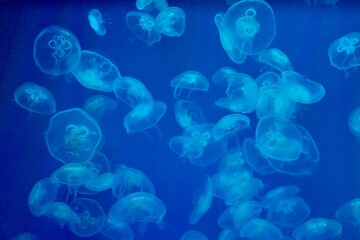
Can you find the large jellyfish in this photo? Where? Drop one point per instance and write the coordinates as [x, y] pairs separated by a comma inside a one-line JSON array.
[[56, 50], [318, 228], [35, 98], [191, 80], [97, 22], [171, 22], [96, 72], [73, 136], [143, 27]]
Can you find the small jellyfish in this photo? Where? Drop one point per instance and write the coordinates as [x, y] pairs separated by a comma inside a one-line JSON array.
[[191, 80], [318, 228], [276, 59], [171, 22], [349, 212], [96, 72], [143, 27], [92, 217], [188, 114], [150, 5], [233, 160], [35, 98], [202, 202], [229, 125], [278, 194], [73, 136], [222, 75], [56, 51], [98, 105], [246, 211], [97, 22], [186, 147], [117, 230], [193, 235], [354, 122], [62, 213], [260, 229]]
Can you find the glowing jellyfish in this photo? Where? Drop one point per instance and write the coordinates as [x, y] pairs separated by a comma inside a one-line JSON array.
[[245, 211], [171, 22], [56, 50], [143, 27], [202, 203], [25, 236], [97, 22], [318, 228], [191, 80], [186, 147], [73, 136], [98, 105], [117, 230], [277, 194], [96, 72], [344, 53], [354, 122], [92, 217], [42, 193], [188, 114], [132, 91], [300, 89], [128, 180], [233, 160], [150, 5], [349, 212], [35, 98], [278, 138], [144, 116], [250, 26], [276, 59], [229, 125], [222, 75], [193, 235], [62, 213], [139, 207], [260, 229]]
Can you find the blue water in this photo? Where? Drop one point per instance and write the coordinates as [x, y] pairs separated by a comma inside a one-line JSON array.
[[304, 33]]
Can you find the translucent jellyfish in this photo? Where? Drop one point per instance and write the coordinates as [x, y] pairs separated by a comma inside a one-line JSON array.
[[246, 211], [62, 213], [233, 160], [301, 89], [96, 72], [56, 50], [288, 212], [260, 229], [188, 113], [35, 98], [139, 207], [222, 75], [25, 236], [171, 22], [229, 125], [128, 180], [318, 228], [149, 5], [92, 217], [278, 138], [73, 136], [354, 122], [344, 53], [276, 59], [99, 183], [250, 26], [277, 194], [98, 105], [186, 147], [117, 230], [97, 22], [42, 193], [144, 116], [193, 235], [191, 80], [132, 91], [143, 27], [349, 212], [202, 202]]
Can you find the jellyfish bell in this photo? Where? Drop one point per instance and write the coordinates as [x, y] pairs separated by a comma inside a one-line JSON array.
[[318, 228], [62, 213], [187, 113], [171, 22], [191, 80], [143, 27], [97, 22]]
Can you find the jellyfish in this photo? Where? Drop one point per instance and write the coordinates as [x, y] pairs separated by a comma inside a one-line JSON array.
[[62, 213], [229, 125], [42, 193], [138, 207], [96, 72], [171, 22], [249, 26], [99, 183], [149, 5], [202, 202], [98, 105], [186, 147], [233, 160], [73, 136], [144, 116], [276, 59], [245, 211], [191, 80], [318, 228], [354, 122], [188, 114], [222, 75], [344, 52], [56, 51], [25, 236], [35, 98], [260, 229], [97, 22], [92, 217], [277, 194], [143, 27], [349, 212], [117, 230], [193, 235]]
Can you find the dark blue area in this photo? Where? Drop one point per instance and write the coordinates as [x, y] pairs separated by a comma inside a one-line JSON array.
[[304, 33]]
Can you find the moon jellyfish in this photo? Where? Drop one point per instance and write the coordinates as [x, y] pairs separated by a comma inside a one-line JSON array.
[[229, 125], [25, 236], [354, 122], [97, 22], [62, 213], [349, 212], [98, 105], [250, 26], [276, 59], [186, 147], [143, 27], [245, 211], [222, 75], [260, 229], [117, 230], [92, 217], [193, 235], [139, 207], [171, 22], [278, 138], [202, 203], [300, 89], [96, 72], [344, 53], [188, 113], [73, 136], [191, 80], [56, 50], [42, 193], [277, 194], [35, 98], [144, 116], [317, 228], [149, 5], [233, 160]]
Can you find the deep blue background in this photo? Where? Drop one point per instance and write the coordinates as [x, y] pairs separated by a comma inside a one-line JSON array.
[[304, 33]]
